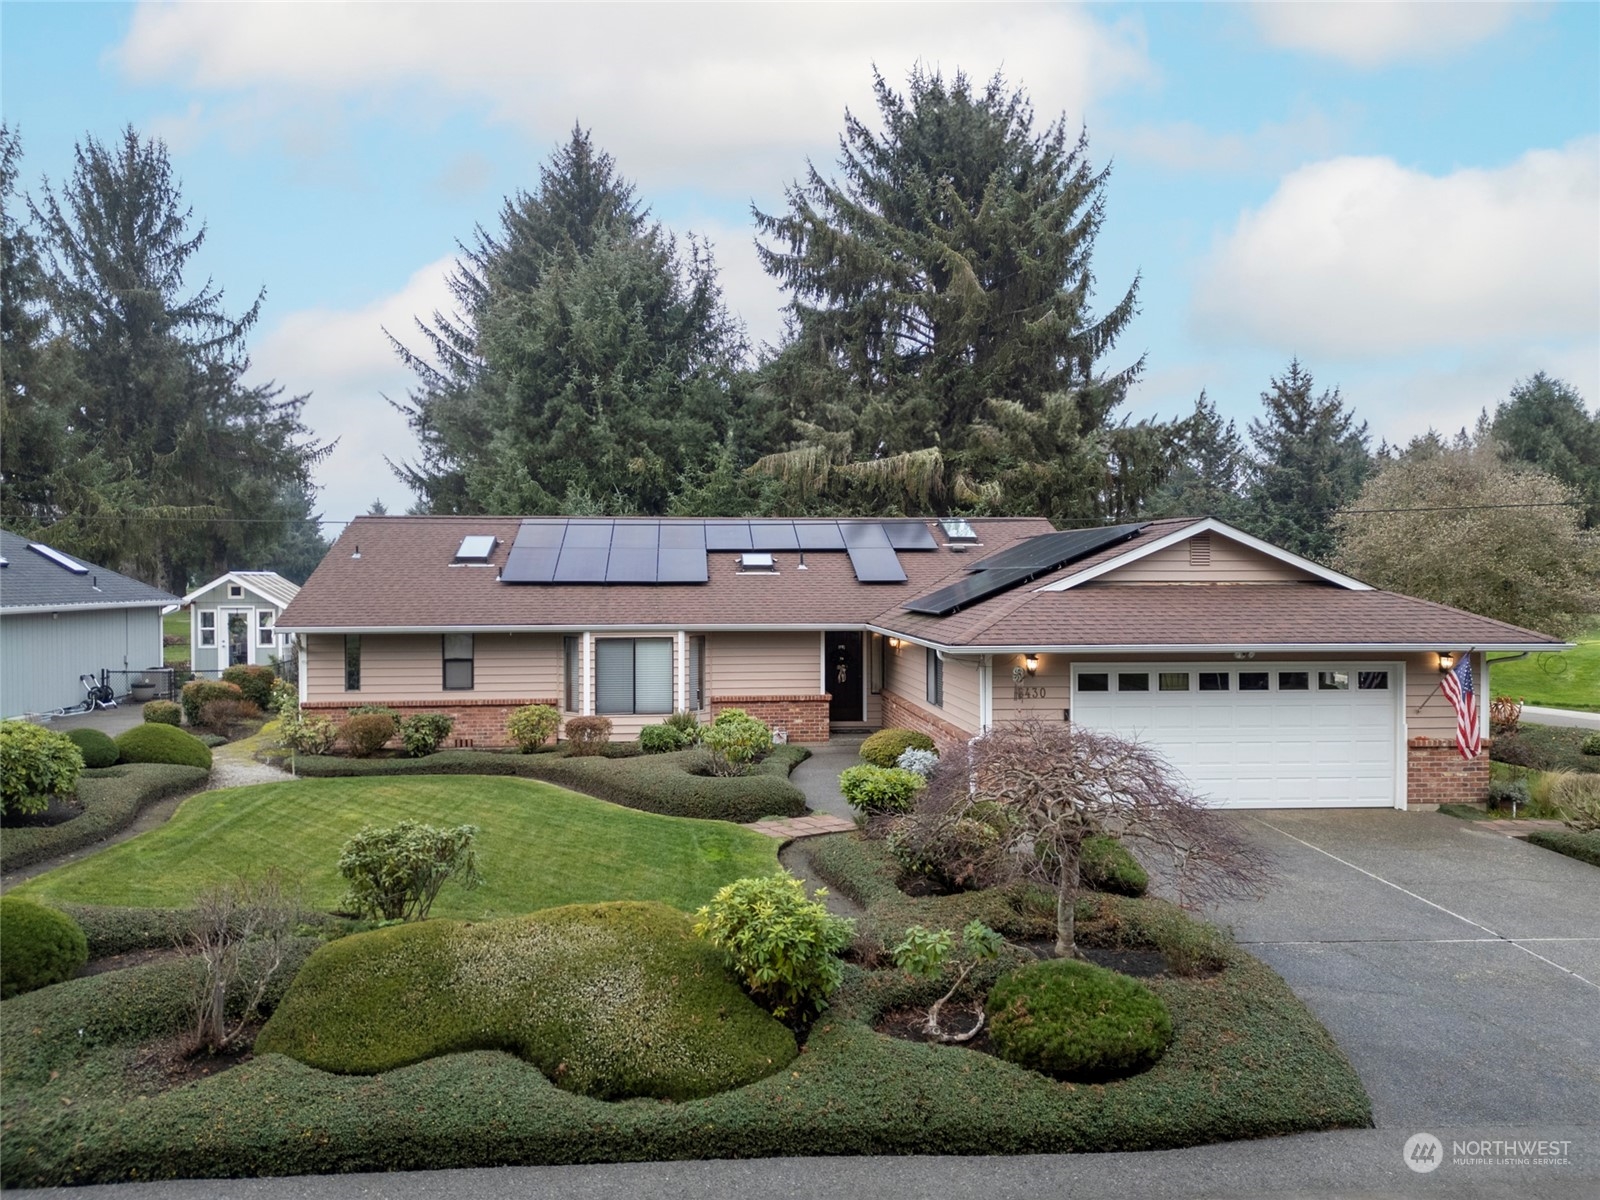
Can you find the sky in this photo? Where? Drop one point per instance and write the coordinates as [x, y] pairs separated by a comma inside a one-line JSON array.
[[1406, 197]]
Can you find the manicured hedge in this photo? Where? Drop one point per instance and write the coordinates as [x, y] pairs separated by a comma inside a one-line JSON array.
[[97, 748], [111, 800], [1106, 865], [658, 783], [1582, 846], [153, 743], [1074, 1020], [41, 946], [884, 748]]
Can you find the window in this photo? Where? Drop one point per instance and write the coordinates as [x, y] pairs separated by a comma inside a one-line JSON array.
[[1294, 681], [1255, 681], [1213, 681], [352, 662], [264, 628], [697, 673], [1128, 682], [572, 657], [1098, 681], [208, 629], [875, 653], [235, 591], [1372, 681], [458, 662], [1173, 681], [1333, 681], [633, 675], [935, 678]]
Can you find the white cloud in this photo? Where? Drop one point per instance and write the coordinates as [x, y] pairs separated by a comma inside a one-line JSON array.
[[1360, 257], [343, 359], [728, 96], [1186, 147], [1376, 32]]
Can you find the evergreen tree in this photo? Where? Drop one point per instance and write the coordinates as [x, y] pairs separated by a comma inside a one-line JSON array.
[[1309, 458], [1209, 478], [942, 349], [178, 448], [1546, 423]]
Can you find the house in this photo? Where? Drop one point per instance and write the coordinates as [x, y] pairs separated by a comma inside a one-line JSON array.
[[61, 618], [234, 619], [1270, 680]]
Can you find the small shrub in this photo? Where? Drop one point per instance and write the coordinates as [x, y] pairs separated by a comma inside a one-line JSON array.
[[197, 693], [1105, 865], [728, 716], [1578, 799], [163, 744], [35, 764], [1505, 715], [164, 712], [366, 733], [285, 695], [306, 733], [1508, 794], [922, 955], [532, 725], [588, 735], [254, 681], [783, 947], [662, 739], [1585, 847], [229, 918], [1590, 745], [97, 748], [395, 874], [225, 718], [872, 789], [688, 724], [42, 946], [917, 761], [963, 854], [423, 733], [735, 742], [1073, 1020], [884, 748]]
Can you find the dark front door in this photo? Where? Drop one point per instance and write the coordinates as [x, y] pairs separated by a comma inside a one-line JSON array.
[[843, 673]]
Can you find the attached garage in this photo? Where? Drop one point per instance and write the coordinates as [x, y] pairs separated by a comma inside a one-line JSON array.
[[1260, 735]]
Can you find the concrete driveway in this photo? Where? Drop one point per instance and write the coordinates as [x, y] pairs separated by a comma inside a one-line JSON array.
[[1459, 970]]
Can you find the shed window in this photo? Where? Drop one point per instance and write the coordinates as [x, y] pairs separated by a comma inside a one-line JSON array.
[[458, 662], [935, 678], [208, 629], [572, 659], [235, 591], [633, 675], [264, 628], [352, 662]]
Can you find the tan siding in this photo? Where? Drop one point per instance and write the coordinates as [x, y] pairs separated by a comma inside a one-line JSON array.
[[509, 666], [906, 675], [1039, 697], [763, 664], [1230, 563]]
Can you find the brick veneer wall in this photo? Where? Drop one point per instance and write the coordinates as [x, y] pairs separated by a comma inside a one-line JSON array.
[[804, 717], [480, 723], [899, 713], [1437, 774]]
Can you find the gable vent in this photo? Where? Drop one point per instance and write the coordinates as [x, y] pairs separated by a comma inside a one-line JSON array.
[[1200, 550]]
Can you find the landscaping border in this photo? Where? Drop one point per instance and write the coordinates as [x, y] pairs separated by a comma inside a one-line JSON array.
[[112, 798], [1585, 847]]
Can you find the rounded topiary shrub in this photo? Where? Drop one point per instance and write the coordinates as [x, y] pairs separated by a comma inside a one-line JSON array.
[[197, 693], [1074, 1020], [872, 789], [254, 681], [38, 946], [35, 764], [662, 739], [163, 744], [1591, 744], [532, 726], [588, 736], [884, 748], [1106, 865], [97, 748], [164, 712], [366, 733]]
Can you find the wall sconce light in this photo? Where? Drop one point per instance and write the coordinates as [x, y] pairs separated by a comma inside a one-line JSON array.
[[1447, 661], [894, 643], [1031, 661]]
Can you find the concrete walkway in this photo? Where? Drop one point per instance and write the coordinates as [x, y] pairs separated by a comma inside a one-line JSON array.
[[818, 776], [1572, 718]]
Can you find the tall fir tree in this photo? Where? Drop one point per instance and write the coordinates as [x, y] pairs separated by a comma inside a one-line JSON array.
[[1546, 423], [1209, 477], [1309, 458]]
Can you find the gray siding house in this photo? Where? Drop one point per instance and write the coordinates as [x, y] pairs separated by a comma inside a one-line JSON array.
[[234, 620], [61, 618]]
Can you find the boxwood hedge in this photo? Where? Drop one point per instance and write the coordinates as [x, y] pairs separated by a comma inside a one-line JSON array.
[[1582, 846], [111, 799]]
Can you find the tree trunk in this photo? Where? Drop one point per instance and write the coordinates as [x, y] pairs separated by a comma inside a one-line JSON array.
[[1066, 902]]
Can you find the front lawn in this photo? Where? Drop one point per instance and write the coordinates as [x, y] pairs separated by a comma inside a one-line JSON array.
[[1544, 748], [1567, 680], [538, 846], [176, 624]]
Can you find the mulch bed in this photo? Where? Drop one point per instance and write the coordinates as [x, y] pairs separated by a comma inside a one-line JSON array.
[[907, 1025], [172, 1062], [61, 810], [132, 958]]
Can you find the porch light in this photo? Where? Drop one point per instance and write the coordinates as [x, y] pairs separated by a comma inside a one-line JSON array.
[[1031, 662], [894, 643], [1447, 661]]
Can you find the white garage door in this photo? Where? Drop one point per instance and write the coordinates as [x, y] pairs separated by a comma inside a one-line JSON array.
[[1247, 735]]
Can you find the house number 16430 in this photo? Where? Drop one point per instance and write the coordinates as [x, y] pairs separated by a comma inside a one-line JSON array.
[[1023, 692]]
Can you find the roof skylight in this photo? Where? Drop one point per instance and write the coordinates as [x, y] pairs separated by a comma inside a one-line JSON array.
[[476, 548], [757, 560], [60, 559], [958, 529]]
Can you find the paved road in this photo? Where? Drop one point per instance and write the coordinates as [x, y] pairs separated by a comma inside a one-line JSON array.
[[1569, 717]]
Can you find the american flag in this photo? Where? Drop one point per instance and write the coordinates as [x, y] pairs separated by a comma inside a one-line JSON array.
[[1457, 686]]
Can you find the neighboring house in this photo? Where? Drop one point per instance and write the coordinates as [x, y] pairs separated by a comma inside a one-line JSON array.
[[1270, 680], [61, 618], [234, 619]]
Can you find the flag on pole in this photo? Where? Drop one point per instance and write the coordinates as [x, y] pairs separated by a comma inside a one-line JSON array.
[[1457, 686]]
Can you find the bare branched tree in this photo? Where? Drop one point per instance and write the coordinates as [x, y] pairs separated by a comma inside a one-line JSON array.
[[241, 936], [1057, 785]]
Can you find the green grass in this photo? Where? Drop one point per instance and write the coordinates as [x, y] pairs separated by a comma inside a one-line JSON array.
[[538, 846], [112, 799], [1538, 748], [1570, 679], [176, 624]]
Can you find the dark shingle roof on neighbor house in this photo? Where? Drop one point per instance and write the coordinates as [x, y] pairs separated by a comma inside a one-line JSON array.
[[400, 573], [32, 580]]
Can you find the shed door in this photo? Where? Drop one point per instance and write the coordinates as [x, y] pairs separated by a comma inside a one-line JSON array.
[[1258, 735]]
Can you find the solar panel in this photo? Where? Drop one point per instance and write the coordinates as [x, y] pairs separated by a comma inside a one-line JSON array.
[[588, 534], [876, 564], [909, 535], [631, 564], [582, 564], [968, 591], [636, 535], [683, 535], [863, 534], [728, 535], [679, 565], [541, 533], [530, 564], [773, 535], [60, 559], [1051, 550], [819, 535]]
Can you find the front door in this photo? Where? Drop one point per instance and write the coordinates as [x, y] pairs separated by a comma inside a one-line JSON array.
[[842, 671], [238, 638]]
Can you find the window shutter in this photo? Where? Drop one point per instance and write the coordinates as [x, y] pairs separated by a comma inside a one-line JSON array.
[[652, 675]]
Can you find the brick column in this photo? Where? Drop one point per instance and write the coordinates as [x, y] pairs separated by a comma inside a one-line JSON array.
[[1437, 774]]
